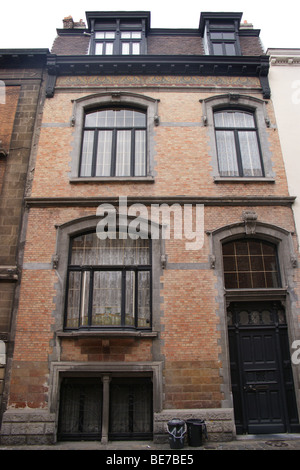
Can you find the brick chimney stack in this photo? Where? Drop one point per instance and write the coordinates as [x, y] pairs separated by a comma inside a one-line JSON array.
[[68, 23]]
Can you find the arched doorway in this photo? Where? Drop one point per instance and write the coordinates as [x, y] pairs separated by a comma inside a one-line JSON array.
[[260, 366]]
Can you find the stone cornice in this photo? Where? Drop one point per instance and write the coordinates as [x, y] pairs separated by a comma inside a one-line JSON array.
[[148, 200]]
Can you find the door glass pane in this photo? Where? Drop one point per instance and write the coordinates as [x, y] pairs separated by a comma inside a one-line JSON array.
[[107, 296], [123, 154], [130, 407], [250, 154], [87, 153], [226, 153], [80, 408], [103, 165]]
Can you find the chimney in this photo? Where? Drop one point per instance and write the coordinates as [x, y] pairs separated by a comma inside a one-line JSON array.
[[68, 23], [246, 25]]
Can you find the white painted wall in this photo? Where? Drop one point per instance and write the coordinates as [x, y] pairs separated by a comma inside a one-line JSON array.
[[284, 78]]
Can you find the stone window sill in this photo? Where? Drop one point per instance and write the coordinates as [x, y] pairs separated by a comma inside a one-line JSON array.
[[115, 179], [107, 333], [237, 179]]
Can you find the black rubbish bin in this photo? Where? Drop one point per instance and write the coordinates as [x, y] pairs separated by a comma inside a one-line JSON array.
[[196, 429], [176, 430]]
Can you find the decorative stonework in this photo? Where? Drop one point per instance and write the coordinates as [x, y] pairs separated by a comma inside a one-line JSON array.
[[250, 218], [144, 81]]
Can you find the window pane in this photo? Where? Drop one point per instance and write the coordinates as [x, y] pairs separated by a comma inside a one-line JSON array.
[[109, 35], [123, 154], [99, 48], [216, 35], [90, 250], [109, 48], [144, 299], [236, 119], [229, 48], [217, 49], [140, 153], [107, 296], [103, 166], [126, 35], [84, 301], [135, 48], [228, 35], [226, 153], [251, 268], [136, 35], [87, 153], [250, 154], [125, 48], [74, 289], [130, 299]]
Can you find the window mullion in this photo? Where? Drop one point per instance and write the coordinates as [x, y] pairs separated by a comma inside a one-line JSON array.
[[136, 287], [238, 152], [113, 152], [95, 149], [132, 157], [123, 298], [90, 304]]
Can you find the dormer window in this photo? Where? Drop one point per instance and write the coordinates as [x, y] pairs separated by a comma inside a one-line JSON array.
[[220, 33], [117, 33]]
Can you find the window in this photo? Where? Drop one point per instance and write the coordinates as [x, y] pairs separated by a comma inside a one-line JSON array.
[[221, 33], [104, 42], [109, 283], [237, 144], [114, 143], [223, 43], [117, 43], [250, 264], [131, 42]]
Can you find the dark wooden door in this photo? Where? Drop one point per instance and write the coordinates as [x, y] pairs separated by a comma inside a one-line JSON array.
[[262, 381]]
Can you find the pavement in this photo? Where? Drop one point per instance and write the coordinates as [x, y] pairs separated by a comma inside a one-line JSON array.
[[245, 443]]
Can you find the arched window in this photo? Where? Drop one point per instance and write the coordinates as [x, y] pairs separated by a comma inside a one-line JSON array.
[[114, 143], [237, 143], [109, 283], [250, 264]]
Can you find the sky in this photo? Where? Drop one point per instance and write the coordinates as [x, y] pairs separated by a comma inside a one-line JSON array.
[[33, 23]]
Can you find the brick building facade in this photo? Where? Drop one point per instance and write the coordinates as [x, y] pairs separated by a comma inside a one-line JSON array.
[[192, 313], [21, 81]]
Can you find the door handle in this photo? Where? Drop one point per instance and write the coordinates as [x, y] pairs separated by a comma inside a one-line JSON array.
[[250, 388]]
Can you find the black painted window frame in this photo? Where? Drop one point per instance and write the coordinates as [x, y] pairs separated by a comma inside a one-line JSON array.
[[123, 269], [114, 130], [236, 131]]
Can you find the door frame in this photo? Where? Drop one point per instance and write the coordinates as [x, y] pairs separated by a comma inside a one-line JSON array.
[[242, 393], [287, 294]]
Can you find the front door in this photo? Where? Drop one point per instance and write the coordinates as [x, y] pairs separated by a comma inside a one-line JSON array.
[[261, 373]]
